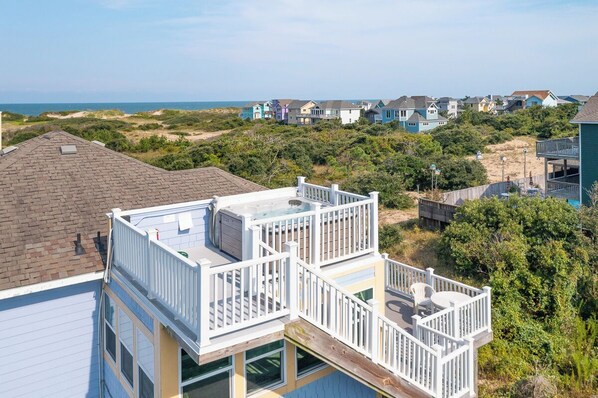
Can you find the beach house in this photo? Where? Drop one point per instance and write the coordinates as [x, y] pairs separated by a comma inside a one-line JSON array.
[[257, 110], [299, 112], [415, 114], [538, 97], [344, 111], [480, 104], [571, 164], [280, 109], [139, 282], [448, 105]]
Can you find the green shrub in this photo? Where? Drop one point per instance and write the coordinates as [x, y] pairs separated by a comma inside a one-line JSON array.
[[389, 235]]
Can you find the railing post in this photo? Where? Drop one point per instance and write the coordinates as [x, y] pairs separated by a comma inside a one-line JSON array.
[[151, 267], [292, 279], [374, 330], [438, 376], [386, 270], [246, 242], [300, 182], [333, 194], [488, 309], [256, 237], [470, 368], [430, 277], [415, 320], [456, 320], [374, 222], [203, 301], [315, 229]]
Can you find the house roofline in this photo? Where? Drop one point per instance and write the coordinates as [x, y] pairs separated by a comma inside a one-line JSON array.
[[45, 286]]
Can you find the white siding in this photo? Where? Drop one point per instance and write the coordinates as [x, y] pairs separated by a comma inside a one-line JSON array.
[[48, 343]]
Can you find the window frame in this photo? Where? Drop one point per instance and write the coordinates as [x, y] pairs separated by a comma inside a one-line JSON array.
[[311, 371], [230, 369], [120, 347], [112, 327], [141, 367], [283, 369]]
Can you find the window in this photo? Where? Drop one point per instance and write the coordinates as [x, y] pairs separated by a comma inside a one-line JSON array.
[[125, 333], [264, 366], [365, 295], [110, 333], [212, 379], [307, 363], [425, 123], [432, 111], [411, 124], [145, 365], [403, 113], [388, 114]]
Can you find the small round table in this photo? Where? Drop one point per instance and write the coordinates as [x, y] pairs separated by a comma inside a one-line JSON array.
[[444, 299]]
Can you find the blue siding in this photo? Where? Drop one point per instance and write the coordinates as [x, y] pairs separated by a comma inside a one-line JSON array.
[[335, 385], [49, 343], [169, 231], [112, 386], [132, 305]]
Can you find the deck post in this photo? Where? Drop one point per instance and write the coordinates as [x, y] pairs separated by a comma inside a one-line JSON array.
[[246, 242], [203, 301], [374, 330], [430, 276], [470, 366], [488, 309], [386, 271], [456, 321], [300, 182], [315, 235], [292, 280], [439, 365], [374, 222], [151, 269], [333, 194], [415, 319], [256, 233]]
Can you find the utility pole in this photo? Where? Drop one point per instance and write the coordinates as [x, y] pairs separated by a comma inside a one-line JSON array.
[[503, 159], [524, 163], [433, 168]]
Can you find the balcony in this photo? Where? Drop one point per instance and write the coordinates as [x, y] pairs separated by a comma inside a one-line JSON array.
[[248, 260], [561, 148], [566, 187]]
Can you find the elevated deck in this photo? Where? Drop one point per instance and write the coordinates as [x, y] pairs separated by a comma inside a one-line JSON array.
[[214, 304], [560, 148]]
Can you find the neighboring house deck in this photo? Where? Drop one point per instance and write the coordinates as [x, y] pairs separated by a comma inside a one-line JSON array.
[[561, 167], [293, 258]]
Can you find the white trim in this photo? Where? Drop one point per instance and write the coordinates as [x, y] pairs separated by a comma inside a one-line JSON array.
[[230, 368], [163, 207], [40, 287]]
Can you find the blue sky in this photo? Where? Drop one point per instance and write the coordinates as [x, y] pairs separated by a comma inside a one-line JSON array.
[[150, 50]]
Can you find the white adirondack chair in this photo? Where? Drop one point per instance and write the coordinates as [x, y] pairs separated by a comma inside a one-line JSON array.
[[422, 293]]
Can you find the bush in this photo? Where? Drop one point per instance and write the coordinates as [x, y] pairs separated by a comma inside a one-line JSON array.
[[390, 188], [389, 236]]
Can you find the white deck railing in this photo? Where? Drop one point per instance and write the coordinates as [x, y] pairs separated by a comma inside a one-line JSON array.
[[340, 225], [465, 319], [441, 372], [209, 301]]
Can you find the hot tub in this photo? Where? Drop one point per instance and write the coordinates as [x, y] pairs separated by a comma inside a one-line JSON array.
[[230, 219]]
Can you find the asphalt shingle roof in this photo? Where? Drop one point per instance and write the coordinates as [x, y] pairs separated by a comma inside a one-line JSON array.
[[589, 112], [47, 198]]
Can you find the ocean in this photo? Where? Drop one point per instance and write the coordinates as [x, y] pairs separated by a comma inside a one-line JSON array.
[[126, 107]]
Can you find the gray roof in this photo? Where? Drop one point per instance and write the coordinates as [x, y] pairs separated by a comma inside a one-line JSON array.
[[296, 104], [589, 112], [474, 100], [422, 101], [416, 117], [403, 102], [337, 104], [578, 98], [446, 99], [48, 198]]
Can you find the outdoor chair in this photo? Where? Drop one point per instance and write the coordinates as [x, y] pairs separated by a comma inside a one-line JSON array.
[[422, 293]]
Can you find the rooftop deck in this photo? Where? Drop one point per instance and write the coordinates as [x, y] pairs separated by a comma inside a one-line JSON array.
[[204, 295]]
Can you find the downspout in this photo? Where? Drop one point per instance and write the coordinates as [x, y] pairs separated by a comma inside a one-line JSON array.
[[105, 281]]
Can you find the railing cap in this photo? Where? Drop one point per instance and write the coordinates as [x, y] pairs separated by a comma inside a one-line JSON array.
[[204, 262], [116, 210]]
